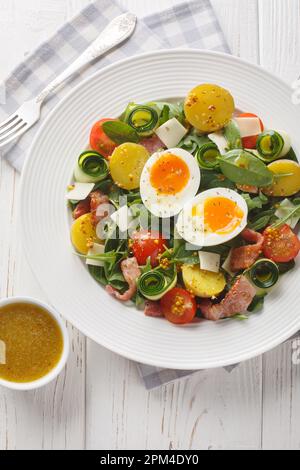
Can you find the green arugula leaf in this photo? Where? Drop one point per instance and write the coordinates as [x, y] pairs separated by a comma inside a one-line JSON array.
[[165, 115], [104, 186], [98, 274], [139, 301], [147, 267], [240, 317], [261, 220], [257, 303], [233, 136], [181, 255], [242, 167], [214, 179], [292, 156], [193, 141], [255, 203], [175, 109], [109, 257], [120, 132]]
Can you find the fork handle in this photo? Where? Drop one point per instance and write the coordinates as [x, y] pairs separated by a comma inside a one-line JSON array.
[[116, 32]]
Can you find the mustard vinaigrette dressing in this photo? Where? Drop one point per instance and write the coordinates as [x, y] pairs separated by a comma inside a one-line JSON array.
[[31, 342]]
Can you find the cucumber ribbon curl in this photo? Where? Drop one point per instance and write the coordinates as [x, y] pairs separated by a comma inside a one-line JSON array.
[[156, 283], [143, 119], [207, 154], [91, 167], [264, 274], [269, 146]]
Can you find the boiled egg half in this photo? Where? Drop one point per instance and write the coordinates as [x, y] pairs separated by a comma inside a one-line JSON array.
[[213, 217], [168, 181]]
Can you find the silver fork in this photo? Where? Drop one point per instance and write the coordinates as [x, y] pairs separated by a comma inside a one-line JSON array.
[[28, 114]]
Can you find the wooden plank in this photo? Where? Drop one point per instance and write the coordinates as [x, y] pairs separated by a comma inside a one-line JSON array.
[[279, 52], [53, 417], [210, 410], [238, 19], [206, 411], [279, 37]]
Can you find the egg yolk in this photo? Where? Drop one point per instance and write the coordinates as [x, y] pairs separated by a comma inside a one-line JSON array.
[[169, 175], [222, 215]]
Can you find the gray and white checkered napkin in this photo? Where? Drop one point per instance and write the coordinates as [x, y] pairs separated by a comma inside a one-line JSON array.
[[191, 24]]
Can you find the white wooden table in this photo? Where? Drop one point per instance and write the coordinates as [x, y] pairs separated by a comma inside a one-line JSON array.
[[100, 402]]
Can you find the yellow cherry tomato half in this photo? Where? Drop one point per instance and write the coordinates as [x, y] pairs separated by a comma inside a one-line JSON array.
[[126, 165], [209, 107]]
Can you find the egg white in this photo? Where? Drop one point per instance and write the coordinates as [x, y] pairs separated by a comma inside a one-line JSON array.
[[191, 229], [161, 205]]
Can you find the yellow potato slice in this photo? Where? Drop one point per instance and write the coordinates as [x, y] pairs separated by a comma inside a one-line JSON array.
[[284, 185], [126, 165], [83, 232], [209, 107], [202, 283]]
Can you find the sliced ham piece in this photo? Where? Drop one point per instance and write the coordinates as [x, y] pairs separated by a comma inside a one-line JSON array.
[[152, 144], [245, 256], [236, 301], [153, 309], [83, 207], [131, 272], [93, 204], [97, 200]]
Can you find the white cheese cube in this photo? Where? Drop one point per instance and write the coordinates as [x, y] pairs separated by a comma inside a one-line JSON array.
[[220, 141], [227, 264], [171, 132], [123, 218], [248, 126], [80, 191], [97, 249], [209, 261], [282, 211]]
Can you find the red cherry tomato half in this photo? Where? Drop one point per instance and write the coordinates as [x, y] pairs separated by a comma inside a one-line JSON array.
[[145, 244], [250, 142], [178, 306], [280, 244], [99, 141]]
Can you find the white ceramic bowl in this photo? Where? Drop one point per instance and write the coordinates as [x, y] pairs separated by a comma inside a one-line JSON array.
[[45, 220], [62, 362]]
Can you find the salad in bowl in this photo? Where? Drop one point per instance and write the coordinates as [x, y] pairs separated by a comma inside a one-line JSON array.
[[188, 210]]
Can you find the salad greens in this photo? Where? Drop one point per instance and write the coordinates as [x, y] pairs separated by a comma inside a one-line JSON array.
[[255, 202], [255, 195], [233, 136], [242, 167]]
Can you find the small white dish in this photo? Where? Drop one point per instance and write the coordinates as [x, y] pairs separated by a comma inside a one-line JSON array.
[[25, 386]]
